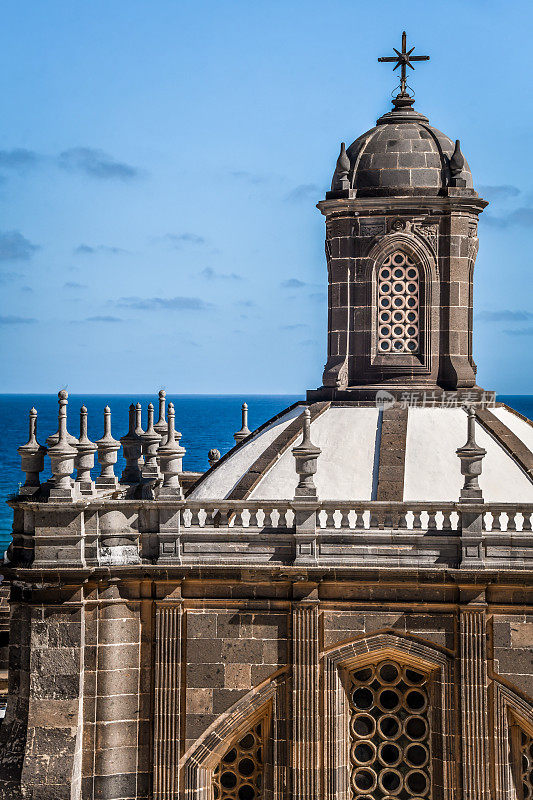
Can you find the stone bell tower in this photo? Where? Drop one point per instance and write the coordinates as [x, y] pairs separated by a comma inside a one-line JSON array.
[[401, 242]]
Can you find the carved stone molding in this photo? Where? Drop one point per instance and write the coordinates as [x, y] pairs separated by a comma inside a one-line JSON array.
[[474, 710], [305, 694]]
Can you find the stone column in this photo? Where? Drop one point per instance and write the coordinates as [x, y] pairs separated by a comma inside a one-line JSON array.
[[167, 685], [474, 703], [305, 694], [40, 750], [121, 743]]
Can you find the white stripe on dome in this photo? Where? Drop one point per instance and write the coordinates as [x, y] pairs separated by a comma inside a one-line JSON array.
[[516, 425], [224, 477], [347, 437], [433, 470]]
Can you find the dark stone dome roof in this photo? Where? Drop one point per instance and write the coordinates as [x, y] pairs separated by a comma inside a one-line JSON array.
[[402, 155]]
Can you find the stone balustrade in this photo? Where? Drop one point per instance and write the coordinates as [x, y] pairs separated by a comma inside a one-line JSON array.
[[145, 517]]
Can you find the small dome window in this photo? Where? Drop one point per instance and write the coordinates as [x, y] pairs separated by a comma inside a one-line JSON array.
[[398, 288]]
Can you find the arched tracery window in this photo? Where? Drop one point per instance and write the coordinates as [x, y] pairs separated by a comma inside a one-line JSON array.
[[240, 773], [390, 750], [523, 757], [398, 300]]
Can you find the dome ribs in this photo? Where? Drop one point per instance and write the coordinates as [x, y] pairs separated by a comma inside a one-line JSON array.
[[391, 468], [507, 439], [250, 479]]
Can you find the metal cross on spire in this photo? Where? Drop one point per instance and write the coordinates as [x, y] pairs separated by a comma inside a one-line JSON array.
[[403, 60]]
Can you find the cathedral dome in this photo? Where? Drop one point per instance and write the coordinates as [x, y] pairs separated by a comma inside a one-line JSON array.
[[411, 451], [402, 155]]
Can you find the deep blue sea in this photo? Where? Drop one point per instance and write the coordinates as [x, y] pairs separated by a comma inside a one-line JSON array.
[[205, 421]]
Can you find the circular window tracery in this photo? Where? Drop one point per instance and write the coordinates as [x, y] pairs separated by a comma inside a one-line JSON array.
[[239, 775], [389, 732], [398, 289]]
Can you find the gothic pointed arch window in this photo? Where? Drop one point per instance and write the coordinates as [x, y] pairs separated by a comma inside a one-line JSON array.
[[398, 305], [240, 774], [390, 731]]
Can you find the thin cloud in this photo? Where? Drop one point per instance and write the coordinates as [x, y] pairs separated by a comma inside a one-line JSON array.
[[90, 250], [292, 283], [14, 320], [96, 164], [245, 303], [165, 303], [504, 315], [19, 159], [304, 191], [15, 247], [248, 177], [212, 275], [74, 285], [177, 240], [520, 217], [294, 327], [103, 318], [519, 331], [499, 192], [308, 342]]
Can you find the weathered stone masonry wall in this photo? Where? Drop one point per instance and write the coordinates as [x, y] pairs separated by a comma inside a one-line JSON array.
[[119, 683]]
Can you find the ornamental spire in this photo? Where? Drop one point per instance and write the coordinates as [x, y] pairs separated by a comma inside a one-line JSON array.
[[403, 59]]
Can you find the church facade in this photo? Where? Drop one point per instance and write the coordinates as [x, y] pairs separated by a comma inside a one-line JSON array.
[[341, 607]]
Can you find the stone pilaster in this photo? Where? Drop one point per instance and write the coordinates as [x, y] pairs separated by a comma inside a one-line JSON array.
[[474, 704], [121, 754], [167, 685], [41, 733], [305, 700]]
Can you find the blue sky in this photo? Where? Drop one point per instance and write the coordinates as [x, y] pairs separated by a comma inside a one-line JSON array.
[[160, 163]]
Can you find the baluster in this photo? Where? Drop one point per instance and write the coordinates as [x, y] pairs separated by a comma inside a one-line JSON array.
[[237, 519], [330, 518], [417, 520], [526, 525], [496, 521], [195, 518], [511, 520], [388, 518], [402, 521], [345, 521], [446, 521], [432, 520], [376, 518], [252, 522], [360, 521]]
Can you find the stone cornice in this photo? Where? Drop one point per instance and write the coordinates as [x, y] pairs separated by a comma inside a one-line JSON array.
[[415, 204]]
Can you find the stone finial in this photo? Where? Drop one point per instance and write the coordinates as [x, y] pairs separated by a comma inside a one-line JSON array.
[[84, 461], [161, 425], [170, 455], [150, 440], [213, 456], [32, 458], [132, 449], [244, 431], [107, 455], [471, 456], [456, 164], [54, 437], [62, 455], [340, 178], [306, 455]]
